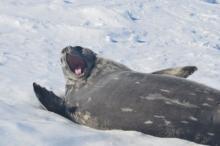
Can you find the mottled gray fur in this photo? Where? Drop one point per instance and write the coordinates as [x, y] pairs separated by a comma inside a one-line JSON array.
[[104, 66], [111, 96]]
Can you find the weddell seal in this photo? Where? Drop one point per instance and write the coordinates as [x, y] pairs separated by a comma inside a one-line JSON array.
[[103, 94]]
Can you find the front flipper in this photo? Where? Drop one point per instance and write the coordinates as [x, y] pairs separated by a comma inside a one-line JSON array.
[[183, 72], [52, 102]]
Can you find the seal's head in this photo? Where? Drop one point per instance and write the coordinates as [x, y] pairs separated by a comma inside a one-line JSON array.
[[77, 62]]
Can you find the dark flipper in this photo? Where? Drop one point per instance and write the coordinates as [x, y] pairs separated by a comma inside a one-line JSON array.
[[52, 102], [183, 72]]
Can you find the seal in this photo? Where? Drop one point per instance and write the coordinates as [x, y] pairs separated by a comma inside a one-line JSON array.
[[106, 95]]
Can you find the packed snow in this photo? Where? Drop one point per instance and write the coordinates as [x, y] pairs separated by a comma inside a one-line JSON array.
[[145, 35]]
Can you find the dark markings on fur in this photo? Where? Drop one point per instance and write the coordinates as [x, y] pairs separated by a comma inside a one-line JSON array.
[[108, 95]]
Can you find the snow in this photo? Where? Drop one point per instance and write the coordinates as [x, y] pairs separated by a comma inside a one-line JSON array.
[[145, 35]]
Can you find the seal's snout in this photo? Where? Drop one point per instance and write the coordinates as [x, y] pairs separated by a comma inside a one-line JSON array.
[[77, 62], [72, 50], [77, 48]]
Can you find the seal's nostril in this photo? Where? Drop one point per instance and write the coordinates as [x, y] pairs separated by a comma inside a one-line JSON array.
[[78, 48]]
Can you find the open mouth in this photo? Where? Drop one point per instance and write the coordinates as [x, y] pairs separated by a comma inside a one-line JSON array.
[[76, 64]]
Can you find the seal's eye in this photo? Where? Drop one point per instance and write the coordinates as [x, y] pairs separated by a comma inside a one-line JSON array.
[[76, 64]]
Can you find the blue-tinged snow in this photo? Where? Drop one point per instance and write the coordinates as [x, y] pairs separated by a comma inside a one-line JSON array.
[[146, 35]]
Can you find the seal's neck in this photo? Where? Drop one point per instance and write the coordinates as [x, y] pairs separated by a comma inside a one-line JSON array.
[[105, 67], [101, 68]]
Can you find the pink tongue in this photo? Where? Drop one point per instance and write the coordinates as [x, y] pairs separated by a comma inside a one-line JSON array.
[[78, 71]]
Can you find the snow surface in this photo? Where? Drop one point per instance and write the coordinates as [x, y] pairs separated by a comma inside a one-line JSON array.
[[146, 35]]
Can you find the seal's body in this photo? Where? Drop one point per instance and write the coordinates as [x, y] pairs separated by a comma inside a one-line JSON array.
[[104, 96]]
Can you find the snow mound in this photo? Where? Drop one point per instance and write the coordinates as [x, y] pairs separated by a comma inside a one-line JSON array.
[[145, 35]]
